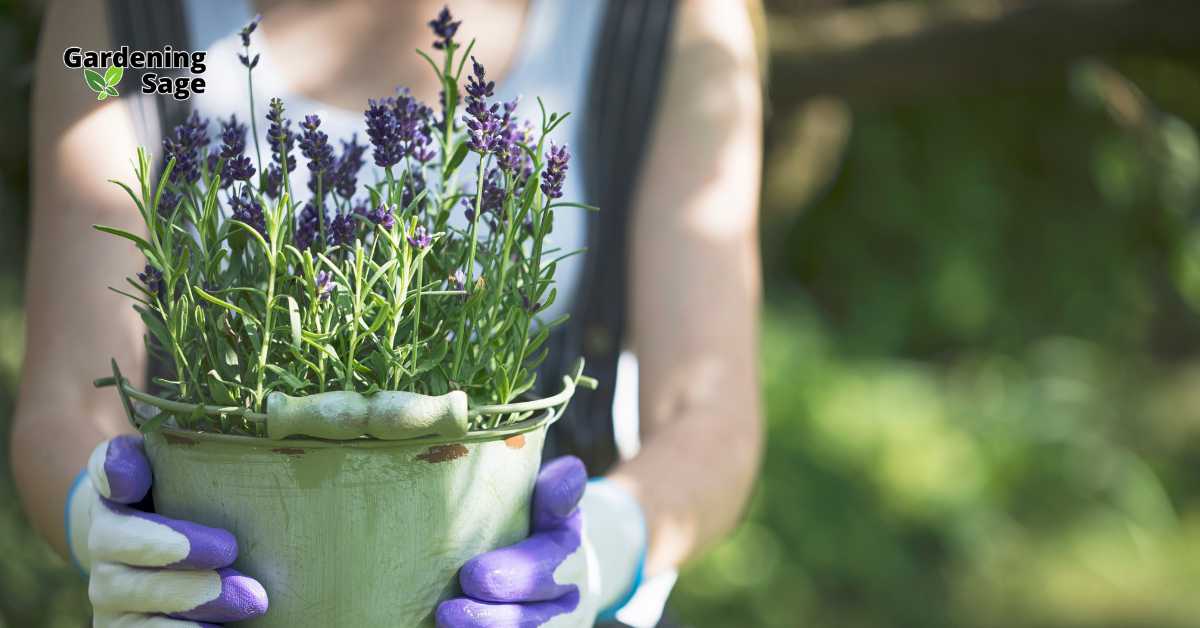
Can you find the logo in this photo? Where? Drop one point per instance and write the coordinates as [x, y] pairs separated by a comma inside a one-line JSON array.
[[104, 85], [180, 84]]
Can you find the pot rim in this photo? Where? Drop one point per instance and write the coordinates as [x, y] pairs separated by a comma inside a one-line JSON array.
[[547, 418]]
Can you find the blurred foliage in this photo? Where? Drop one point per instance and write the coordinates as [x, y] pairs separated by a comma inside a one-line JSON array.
[[980, 360], [981, 369]]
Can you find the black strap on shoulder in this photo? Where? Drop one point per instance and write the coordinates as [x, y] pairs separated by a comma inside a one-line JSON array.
[[627, 73], [150, 25]]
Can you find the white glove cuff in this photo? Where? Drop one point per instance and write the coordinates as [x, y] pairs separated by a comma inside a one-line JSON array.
[[616, 529], [77, 520]]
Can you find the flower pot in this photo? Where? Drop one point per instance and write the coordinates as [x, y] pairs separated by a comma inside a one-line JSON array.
[[353, 533]]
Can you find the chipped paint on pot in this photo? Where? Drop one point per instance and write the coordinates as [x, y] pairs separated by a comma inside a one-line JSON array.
[[352, 533]]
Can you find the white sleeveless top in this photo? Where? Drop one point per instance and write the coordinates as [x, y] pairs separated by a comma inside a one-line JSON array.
[[552, 63]]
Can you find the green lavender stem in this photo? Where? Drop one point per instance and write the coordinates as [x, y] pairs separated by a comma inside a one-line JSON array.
[[417, 311], [253, 117], [460, 338]]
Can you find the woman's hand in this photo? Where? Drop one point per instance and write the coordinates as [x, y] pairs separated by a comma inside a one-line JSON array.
[[584, 554], [146, 570]]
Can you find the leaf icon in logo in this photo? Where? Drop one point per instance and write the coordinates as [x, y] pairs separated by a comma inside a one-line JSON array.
[[113, 75], [94, 80]]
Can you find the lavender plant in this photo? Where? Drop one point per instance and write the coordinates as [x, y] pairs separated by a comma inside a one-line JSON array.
[[367, 286]]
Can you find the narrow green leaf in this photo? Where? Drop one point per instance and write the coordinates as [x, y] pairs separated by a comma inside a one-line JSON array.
[[459, 155], [154, 423], [295, 384], [220, 389], [294, 321], [253, 232], [136, 201], [223, 303]]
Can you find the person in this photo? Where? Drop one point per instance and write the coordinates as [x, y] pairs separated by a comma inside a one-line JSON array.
[[690, 297]]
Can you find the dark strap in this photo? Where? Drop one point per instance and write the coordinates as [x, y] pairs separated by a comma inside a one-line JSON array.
[[627, 73], [150, 25]]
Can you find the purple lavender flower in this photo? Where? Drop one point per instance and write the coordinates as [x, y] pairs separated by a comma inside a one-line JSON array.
[[167, 203], [233, 144], [384, 132], [280, 136], [483, 122], [233, 137], [342, 229], [413, 119], [383, 216], [513, 157], [445, 28], [556, 170], [184, 146], [345, 169], [249, 63], [399, 127], [314, 145], [420, 239], [248, 29], [248, 210], [152, 279], [274, 182], [308, 229], [238, 169], [492, 200], [325, 285]]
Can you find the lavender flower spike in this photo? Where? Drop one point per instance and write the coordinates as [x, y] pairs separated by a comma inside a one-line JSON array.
[[248, 210], [184, 146], [152, 278], [325, 285], [314, 144], [233, 143], [343, 229], [483, 122], [420, 239], [384, 132], [248, 29], [382, 216], [556, 170], [445, 27], [280, 136]]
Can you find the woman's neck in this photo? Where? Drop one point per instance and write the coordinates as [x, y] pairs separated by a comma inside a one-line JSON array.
[[344, 52]]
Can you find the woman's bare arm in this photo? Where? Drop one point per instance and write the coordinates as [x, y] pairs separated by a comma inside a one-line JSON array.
[[696, 288], [74, 324]]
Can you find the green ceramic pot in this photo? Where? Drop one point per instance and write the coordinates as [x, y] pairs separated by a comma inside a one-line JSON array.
[[353, 533]]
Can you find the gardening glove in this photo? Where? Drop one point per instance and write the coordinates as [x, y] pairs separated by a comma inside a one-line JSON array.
[[582, 562], [148, 571]]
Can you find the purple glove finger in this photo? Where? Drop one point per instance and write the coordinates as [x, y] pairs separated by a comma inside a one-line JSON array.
[[217, 596], [121, 534], [524, 572], [468, 613], [241, 598], [120, 470], [560, 485]]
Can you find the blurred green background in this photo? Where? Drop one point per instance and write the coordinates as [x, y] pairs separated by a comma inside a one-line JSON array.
[[981, 340]]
